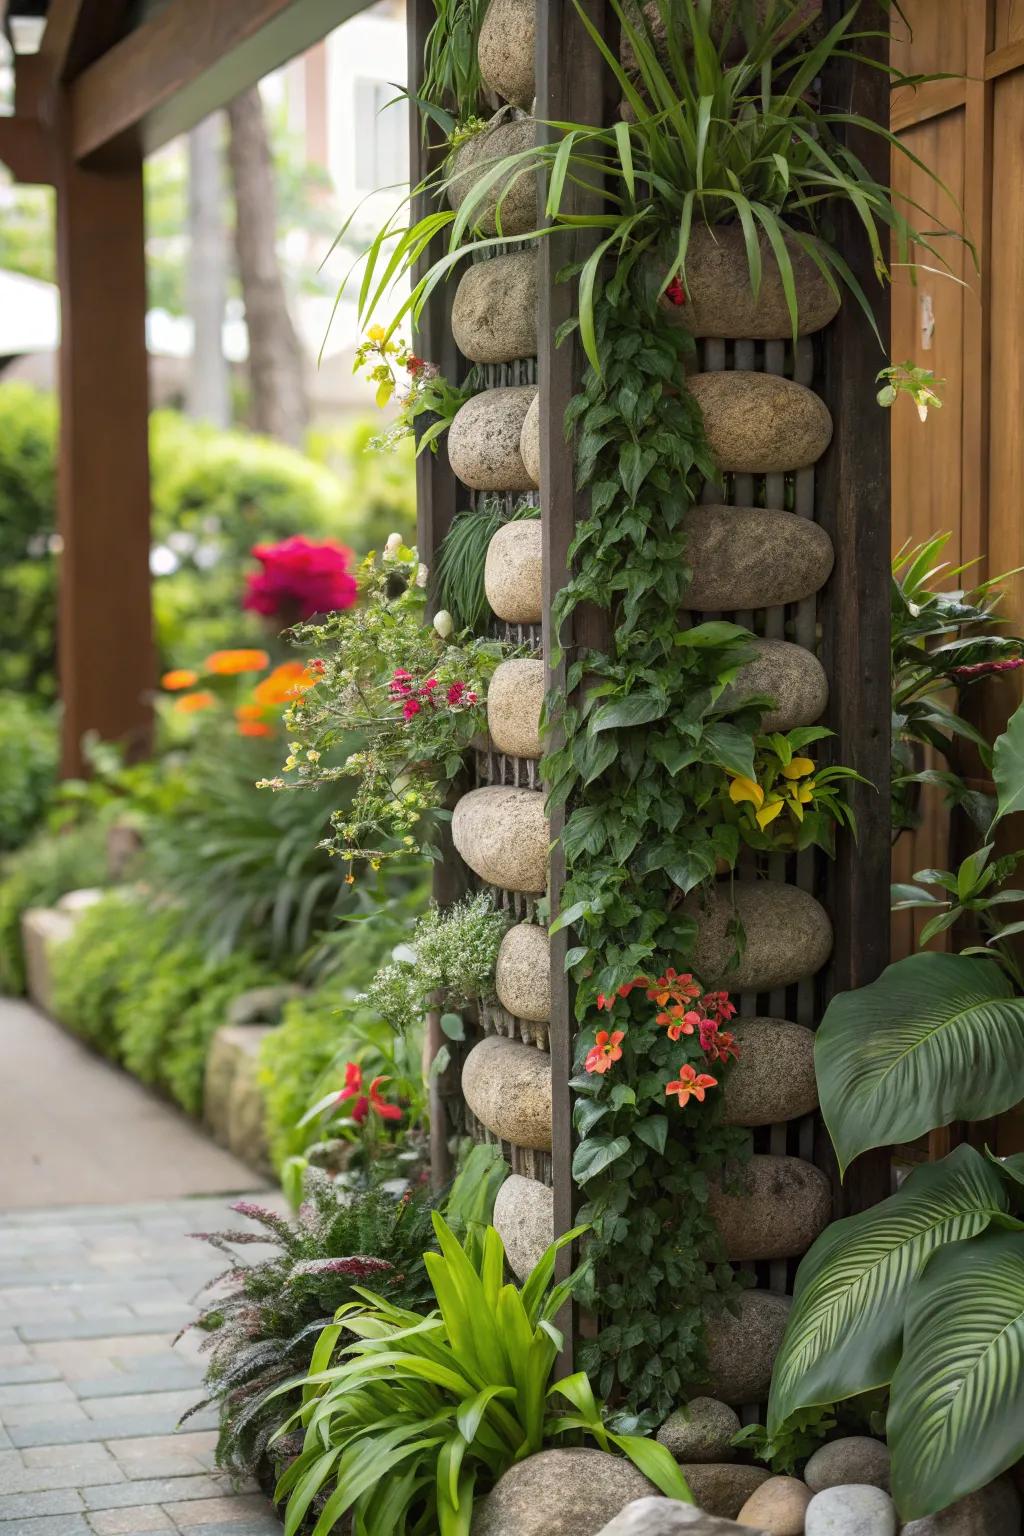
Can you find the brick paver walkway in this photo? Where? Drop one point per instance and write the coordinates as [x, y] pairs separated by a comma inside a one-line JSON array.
[[91, 1297]]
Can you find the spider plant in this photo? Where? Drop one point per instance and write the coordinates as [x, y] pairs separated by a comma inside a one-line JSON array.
[[459, 571], [451, 81], [706, 141]]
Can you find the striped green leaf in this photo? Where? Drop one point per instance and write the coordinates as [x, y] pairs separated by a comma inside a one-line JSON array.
[[843, 1335], [936, 1038], [956, 1418]]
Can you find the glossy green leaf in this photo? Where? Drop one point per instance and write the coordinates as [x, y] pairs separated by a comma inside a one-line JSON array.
[[843, 1335], [956, 1419], [596, 1154], [1008, 767], [936, 1038]]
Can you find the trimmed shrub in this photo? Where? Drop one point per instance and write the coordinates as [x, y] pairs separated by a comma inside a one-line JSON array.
[[28, 767], [42, 871]]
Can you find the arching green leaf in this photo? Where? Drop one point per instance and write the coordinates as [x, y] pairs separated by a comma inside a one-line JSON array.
[[936, 1038], [843, 1335], [956, 1418], [1008, 767]]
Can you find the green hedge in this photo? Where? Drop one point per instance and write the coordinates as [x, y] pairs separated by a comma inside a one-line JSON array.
[[29, 753], [42, 871]]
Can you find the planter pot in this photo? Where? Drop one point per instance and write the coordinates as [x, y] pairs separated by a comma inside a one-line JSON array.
[[742, 1346], [507, 1085], [483, 440], [752, 557], [787, 673], [785, 1204], [505, 50], [514, 700], [517, 191], [529, 442], [494, 314], [788, 935], [513, 579], [503, 835], [720, 300], [774, 1078], [524, 1215], [759, 423], [522, 977]]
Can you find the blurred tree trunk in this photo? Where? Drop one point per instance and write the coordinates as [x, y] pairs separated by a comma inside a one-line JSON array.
[[209, 391], [279, 405]]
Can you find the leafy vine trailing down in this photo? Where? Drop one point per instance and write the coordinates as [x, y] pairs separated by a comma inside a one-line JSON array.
[[644, 758]]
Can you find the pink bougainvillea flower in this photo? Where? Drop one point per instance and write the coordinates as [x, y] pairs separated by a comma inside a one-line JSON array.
[[400, 685], [606, 1049], [300, 578], [691, 1084]]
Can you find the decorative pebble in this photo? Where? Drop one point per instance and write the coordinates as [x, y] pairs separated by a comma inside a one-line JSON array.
[[702, 1430], [778, 1507], [483, 439], [507, 1085], [853, 1459], [854, 1509], [523, 973]]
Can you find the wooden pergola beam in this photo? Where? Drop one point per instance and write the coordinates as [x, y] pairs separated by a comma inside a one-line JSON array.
[[184, 63], [27, 150]]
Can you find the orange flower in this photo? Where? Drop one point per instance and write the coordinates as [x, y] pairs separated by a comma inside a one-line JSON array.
[[672, 986], [254, 728], [249, 712], [192, 703], [680, 1020], [689, 1082], [623, 991], [606, 1049], [288, 681], [179, 677], [230, 663]]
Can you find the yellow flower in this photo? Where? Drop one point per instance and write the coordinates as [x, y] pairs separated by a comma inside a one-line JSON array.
[[376, 333], [798, 768], [742, 789], [768, 813]]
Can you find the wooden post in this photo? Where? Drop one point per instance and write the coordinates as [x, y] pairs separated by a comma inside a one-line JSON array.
[[105, 646], [854, 497]]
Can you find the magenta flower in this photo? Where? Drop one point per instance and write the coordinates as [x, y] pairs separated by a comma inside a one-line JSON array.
[[300, 578]]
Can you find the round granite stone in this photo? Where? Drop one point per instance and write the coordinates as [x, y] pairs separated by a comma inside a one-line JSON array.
[[502, 833], [784, 1204], [761, 423], [522, 976], [524, 1216], [505, 50], [773, 1080], [507, 1085], [529, 441], [514, 699], [790, 675], [752, 557], [494, 314], [742, 1346], [483, 440], [788, 935], [516, 190], [513, 572]]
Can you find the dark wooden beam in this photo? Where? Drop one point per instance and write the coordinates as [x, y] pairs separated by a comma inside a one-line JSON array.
[[78, 32], [854, 502], [187, 60], [105, 641], [27, 150]]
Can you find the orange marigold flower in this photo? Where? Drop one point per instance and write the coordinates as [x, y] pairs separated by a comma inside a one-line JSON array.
[[192, 703], [179, 677], [690, 1083], [230, 663], [254, 728], [288, 681], [249, 712], [606, 1049]]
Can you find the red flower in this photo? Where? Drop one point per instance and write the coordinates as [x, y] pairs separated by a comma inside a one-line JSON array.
[[415, 365], [691, 1084], [300, 578], [681, 1022], [411, 707], [676, 293], [400, 685], [718, 1004], [353, 1090], [606, 1049], [381, 1106], [623, 991]]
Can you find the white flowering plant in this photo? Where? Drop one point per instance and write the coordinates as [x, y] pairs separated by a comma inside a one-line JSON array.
[[450, 960], [414, 692]]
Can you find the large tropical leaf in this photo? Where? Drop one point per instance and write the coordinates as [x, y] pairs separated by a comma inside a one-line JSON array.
[[1008, 766], [843, 1335], [936, 1038], [956, 1418]]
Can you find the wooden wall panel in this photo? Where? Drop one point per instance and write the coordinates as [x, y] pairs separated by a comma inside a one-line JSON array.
[[933, 37], [1009, 23], [1006, 356]]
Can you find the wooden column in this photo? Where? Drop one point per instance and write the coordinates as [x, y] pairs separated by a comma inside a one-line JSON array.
[[105, 648], [853, 493]]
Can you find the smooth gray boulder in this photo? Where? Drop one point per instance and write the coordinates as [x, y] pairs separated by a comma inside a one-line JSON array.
[[722, 1488], [720, 296], [559, 1493], [515, 696], [788, 935], [524, 1216], [507, 1085], [752, 557], [788, 674], [513, 572], [502, 834], [773, 1080], [522, 977], [702, 1430], [262, 1005], [855, 1509], [515, 190], [529, 442], [483, 439], [494, 313], [994, 1510], [742, 1346], [505, 50], [779, 1507], [786, 1202], [853, 1459], [761, 423], [667, 1517]]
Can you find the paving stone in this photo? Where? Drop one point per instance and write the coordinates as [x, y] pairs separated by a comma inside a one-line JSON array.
[[129, 1522], [161, 1378], [66, 1455], [34, 1394], [54, 1525], [223, 1511], [112, 1427], [18, 1414], [173, 1404], [163, 1490], [34, 1371], [253, 1525], [106, 1326], [52, 1501]]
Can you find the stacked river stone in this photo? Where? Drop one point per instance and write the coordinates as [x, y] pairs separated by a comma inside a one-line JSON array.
[[759, 557]]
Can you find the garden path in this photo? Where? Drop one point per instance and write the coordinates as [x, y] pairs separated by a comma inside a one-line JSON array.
[[91, 1296]]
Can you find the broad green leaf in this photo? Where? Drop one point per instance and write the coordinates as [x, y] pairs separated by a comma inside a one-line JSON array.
[[634, 709], [1008, 767], [843, 1334], [657, 1464], [956, 1419], [596, 1154], [936, 1038]]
